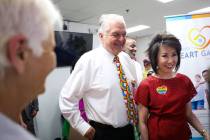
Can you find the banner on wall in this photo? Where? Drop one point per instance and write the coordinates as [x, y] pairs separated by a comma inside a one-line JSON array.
[[193, 31]]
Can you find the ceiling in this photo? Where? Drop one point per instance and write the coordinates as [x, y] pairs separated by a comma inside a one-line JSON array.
[[135, 12]]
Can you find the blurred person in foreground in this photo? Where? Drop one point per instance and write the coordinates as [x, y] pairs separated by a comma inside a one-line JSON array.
[[164, 98], [26, 58], [95, 78]]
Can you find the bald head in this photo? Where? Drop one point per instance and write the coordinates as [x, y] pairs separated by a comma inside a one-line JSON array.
[[130, 47]]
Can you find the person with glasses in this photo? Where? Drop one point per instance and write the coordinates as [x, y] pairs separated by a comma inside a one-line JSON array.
[[95, 79]]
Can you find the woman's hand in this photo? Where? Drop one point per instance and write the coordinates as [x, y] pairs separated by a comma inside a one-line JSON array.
[[206, 135]]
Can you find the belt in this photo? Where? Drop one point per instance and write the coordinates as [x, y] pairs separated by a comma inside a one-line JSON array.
[[106, 126]]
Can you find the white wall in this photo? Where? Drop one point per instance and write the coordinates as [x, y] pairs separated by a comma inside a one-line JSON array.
[[142, 45], [48, 121], [48, 118]]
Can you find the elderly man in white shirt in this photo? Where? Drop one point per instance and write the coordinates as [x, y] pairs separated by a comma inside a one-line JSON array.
[[95, 79]]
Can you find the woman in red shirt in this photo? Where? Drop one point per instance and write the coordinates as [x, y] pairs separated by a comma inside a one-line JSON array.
[[164, 98]]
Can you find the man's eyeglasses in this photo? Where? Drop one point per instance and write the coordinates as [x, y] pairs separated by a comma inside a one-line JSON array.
[[117, 35]]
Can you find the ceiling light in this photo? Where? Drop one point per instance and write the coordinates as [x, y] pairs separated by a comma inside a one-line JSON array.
[[165, 1], [203, 10], [137, 28]]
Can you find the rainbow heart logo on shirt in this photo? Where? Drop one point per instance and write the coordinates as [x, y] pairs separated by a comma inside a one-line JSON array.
[[162, 90]]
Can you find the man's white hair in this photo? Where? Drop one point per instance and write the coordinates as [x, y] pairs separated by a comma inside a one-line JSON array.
[[106, 19], [31, 18]]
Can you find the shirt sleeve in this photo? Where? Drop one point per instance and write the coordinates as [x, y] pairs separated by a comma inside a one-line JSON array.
[[72, 92], [191, 89], [139, 72], [142, 95]]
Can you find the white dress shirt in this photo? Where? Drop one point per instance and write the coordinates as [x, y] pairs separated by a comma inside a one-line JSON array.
[[95, 79], [128, 63], [9, 130]]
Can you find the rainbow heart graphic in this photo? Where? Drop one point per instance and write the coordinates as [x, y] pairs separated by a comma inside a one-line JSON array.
[[200, 38], [162, 89]]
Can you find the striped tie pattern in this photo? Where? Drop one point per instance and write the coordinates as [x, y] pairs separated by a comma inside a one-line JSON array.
[[127, 94]]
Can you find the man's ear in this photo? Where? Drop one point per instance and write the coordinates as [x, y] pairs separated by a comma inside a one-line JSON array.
[[16, 52], [100, 35]]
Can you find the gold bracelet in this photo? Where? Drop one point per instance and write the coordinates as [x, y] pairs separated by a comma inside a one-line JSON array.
[[203, 132]]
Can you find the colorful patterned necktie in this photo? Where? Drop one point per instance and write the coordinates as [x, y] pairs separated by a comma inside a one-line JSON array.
[[127, 95]]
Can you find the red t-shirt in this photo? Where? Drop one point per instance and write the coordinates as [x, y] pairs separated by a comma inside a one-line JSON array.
[[166, 100]]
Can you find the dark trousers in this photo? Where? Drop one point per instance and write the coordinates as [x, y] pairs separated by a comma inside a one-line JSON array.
[[108, 132]]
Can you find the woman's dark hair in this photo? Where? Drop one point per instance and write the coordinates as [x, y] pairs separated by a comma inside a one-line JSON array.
[[160, 40]]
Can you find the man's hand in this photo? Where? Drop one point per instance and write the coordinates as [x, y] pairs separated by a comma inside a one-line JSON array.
[[90, 133]]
